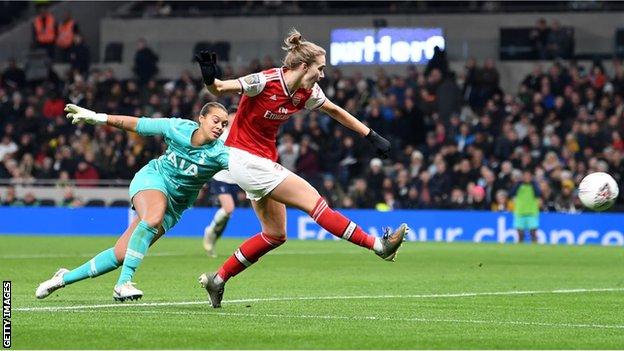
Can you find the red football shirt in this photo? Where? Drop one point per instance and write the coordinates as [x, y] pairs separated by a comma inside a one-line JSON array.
[[266, 104]]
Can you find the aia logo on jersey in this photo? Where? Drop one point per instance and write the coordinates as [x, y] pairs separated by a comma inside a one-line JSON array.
[[297, 99], [186, 167]]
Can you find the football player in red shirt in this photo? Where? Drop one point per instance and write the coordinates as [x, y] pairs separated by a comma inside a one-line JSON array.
[[269, 98]]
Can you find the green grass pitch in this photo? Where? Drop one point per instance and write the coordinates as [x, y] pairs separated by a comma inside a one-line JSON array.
[[325, 295]]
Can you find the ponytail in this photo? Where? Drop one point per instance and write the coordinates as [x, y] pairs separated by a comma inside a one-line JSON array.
[[299, 50]]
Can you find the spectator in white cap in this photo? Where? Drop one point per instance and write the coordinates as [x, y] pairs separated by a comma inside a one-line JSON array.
[[375, 177]]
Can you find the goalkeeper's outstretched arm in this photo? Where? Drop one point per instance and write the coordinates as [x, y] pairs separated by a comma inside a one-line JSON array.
[[79, 114], [128, 123]]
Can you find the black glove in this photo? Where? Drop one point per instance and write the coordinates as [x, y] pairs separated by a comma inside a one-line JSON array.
[[381, 144], [208, 65]]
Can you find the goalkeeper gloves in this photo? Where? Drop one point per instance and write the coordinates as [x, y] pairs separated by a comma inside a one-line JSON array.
[[208, 65], [80, 114], [381, 144]]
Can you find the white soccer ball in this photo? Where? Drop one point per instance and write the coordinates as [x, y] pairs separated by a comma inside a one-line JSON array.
[[598, 191]]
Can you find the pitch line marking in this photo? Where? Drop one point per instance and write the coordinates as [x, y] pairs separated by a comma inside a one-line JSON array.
[[366, 318], [164, 254], [307, 298], [35, 256]]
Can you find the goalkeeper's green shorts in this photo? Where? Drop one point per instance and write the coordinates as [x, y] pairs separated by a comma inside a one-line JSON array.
[[148, 178]]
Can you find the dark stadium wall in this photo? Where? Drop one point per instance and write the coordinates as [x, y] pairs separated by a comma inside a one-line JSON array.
[[251, 37]]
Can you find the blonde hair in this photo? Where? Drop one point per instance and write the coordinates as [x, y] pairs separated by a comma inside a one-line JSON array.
[[299, 50]]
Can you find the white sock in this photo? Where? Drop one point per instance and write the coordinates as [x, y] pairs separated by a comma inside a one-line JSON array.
[[377, 247], [219, 221], [220, 215]]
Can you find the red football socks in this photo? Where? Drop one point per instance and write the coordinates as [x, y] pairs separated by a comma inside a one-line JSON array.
[[247, 254], [340, 226]]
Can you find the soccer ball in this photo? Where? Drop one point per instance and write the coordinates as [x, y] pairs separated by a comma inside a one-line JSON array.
[[598, 191]]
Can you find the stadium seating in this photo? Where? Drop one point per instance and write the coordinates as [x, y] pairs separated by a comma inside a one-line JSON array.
[[95, 203], [119, 203]]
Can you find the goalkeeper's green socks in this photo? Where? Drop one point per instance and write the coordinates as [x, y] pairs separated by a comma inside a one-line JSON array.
[[137, 248], [103, 262]]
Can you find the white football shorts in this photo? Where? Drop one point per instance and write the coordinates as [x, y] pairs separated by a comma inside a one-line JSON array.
[[258, 176], [224, 176]]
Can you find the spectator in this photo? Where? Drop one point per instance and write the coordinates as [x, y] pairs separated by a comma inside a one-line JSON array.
[[533, 80], [53, 106], [438, 61], [10, 198], [477, 199], [465, 137], [440, 184], [389, 202], [548, 197], [66, 31], [412, 201], [463, 174], [13, 77], [565, 200], [26, 167], [308, 165], [44, 170], [559, 42], [526, 198], [7, 147], [63, 180], [360, 194], [145, 62], [375, 177], [457, 200], [469, 91], [86, 175], [44, 31], [502, 203], [288, 152], [332, 192], [79, 55], [487, 80], [30, 200], [597, 77], [539, 39], [69, 199]]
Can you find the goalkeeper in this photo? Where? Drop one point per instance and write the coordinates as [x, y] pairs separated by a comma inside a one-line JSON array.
[[159, 192]]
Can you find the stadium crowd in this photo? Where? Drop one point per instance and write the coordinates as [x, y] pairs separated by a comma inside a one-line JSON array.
[[459, 141]]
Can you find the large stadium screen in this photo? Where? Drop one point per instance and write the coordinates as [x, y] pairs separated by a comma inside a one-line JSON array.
[[385, 46]]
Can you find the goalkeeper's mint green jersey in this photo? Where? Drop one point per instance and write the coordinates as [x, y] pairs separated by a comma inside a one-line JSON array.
[[184, 167]]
